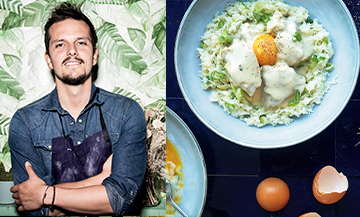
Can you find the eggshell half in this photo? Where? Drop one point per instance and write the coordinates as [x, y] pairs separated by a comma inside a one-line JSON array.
[[329, 186], [310, 214]]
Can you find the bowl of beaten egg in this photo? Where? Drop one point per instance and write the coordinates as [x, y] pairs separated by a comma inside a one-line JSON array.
[[267, 74], [185, 167]]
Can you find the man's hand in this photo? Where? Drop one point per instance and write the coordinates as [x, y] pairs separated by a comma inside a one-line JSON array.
[[29, 194]]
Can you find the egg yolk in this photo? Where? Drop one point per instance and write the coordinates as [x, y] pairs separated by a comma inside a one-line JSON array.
[[265, 50], [173, 167], [172, 155]]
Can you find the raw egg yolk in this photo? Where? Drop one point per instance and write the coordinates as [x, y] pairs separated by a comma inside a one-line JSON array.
[[265, 50], [172, 154], [272, 194]]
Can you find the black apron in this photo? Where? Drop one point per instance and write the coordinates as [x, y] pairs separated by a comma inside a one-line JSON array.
[[74, 163]]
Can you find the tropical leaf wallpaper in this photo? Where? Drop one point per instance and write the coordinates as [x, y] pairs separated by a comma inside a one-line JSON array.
[[132, 51]]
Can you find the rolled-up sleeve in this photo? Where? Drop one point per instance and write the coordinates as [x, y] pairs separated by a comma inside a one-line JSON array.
[[129, 160], [22, 150]]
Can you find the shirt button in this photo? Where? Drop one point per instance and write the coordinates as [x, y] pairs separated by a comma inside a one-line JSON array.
[[49, 146], [80, 120], [71, 123], [78, 142]]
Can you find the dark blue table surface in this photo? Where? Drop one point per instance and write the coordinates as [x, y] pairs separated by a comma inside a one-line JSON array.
[[234, 171]]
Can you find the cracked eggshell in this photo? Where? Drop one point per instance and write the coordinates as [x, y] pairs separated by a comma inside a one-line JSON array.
[[329, 186], [310, 214]]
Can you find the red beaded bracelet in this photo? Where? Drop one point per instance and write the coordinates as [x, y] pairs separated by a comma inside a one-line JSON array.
[[45, 194]]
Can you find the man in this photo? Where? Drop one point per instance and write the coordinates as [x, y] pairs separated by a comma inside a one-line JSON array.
[[79, 149]]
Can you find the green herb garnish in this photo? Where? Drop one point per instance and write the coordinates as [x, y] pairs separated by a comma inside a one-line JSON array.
[[329, 67], [296, 99], [238, 92], [309, 21], [215, 75], [230, 106], [297, 37], [221, 23]]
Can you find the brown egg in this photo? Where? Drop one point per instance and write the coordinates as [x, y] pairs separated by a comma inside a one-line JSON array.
[[272, 194], [310, 214], [329, 186], [265, 50]]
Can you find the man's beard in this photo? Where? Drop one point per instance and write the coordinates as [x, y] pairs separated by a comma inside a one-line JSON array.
[[74, 81]]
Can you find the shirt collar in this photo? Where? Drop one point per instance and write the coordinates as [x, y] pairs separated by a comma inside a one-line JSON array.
[[53, 103]]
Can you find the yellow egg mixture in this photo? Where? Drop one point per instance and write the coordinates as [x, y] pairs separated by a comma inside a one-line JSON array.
[[174, 174]]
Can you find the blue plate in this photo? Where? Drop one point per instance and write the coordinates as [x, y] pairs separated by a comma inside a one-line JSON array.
[[194, 170], [345, 41]]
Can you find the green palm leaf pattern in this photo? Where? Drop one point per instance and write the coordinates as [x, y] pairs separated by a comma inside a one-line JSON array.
[[4, 125], [142, 10], [126, 93], [12, 20], [32, 16], [6, 159], [12, 5], [14, 36], [109, 2], [159, 34], [153, 84], [34, 13], [139, 8], [10, 86], [138, 38], [14, 63], [117, 50]]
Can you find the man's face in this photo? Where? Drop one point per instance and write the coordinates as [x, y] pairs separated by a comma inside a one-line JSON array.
[[71, 54]]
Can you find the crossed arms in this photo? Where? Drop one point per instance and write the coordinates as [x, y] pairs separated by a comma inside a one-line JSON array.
[[91, 195]]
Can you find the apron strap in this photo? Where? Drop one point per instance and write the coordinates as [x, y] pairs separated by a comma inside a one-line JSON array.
[[102, 122], [103, 127], [62, 126]]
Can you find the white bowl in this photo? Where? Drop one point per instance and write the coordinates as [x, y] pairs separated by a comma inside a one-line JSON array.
[[194, 169], [345, 41], [6, 195]]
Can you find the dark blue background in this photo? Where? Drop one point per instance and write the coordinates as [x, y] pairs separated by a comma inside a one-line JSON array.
[[234, 172]]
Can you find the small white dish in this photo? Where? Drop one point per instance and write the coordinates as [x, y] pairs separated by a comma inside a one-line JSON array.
[[194, 169]]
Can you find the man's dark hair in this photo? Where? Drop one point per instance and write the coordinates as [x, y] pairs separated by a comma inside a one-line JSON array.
[[65, 11]]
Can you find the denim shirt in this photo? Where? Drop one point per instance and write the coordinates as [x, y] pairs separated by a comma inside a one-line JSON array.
[[33, 127]]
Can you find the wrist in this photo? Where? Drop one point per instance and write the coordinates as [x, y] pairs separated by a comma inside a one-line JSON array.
[[49, 196], [45, 194]]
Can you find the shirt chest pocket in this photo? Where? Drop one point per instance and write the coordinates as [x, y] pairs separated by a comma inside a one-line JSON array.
[[43, 149]]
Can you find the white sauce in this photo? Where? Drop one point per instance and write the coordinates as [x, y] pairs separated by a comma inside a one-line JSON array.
[[307, 47], [242, 66], [250, 32], [275, 24], [289, 51], [269, 85], [279, 82]]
